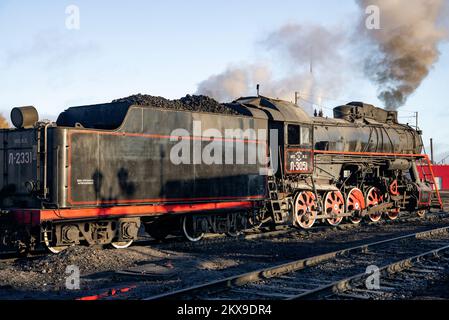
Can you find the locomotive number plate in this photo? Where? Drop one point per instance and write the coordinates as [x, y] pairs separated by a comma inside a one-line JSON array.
[[298, 161], [20, 158]]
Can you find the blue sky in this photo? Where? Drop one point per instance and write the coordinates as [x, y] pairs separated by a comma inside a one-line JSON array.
[[166, 48]]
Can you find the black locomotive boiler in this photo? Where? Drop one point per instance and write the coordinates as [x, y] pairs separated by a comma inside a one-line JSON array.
[[101, 172]]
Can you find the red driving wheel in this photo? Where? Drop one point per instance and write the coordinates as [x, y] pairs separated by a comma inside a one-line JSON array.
[[305, 209], [393, 214], [374, 198], [355, 203], [334, 204]]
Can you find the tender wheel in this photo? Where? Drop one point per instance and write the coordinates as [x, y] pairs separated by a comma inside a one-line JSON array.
[[394, 214], [355, 203], [52, 249], [374, 198], [187, 229], [122, 245], [334, 203], [305, 209], [234, 234], [421, 213], [255, 222]]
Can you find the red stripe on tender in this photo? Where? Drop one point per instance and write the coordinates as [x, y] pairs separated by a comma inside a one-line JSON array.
[[159, 136], [102, 202], [50, 215]]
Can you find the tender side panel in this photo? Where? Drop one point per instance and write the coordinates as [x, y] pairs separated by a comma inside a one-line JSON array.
[[135, 165]]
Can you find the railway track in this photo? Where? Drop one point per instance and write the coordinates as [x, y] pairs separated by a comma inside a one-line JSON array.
[[181, 243], [395, 277], [336, 275]]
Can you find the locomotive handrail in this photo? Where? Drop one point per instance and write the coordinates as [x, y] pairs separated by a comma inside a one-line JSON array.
[[381, 154]]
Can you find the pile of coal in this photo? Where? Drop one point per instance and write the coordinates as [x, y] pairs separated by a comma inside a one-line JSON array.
[[151, 101], [205, 104], [188, 103]]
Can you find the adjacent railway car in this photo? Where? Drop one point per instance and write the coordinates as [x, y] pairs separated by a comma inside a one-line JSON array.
[[102, 172]]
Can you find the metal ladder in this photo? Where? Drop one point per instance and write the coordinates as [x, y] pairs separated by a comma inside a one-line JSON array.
[[275, 203], [429, 177]]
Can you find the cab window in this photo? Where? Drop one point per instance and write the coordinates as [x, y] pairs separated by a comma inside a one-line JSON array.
[[293, 134], [306, 136], [299, 135]]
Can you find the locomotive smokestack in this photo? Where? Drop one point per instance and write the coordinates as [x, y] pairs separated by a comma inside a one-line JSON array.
[[258, 89]]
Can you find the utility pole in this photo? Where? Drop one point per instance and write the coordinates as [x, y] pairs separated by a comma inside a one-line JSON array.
[[416, 117], [431, 151], [311, 60]]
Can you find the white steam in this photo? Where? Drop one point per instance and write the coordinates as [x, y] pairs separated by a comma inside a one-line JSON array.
[[311, 55]]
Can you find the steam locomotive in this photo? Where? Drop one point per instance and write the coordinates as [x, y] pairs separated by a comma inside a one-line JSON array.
[[101, 172]]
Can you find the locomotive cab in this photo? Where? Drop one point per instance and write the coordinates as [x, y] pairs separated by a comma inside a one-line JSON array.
[[298, 148], [294, 131]]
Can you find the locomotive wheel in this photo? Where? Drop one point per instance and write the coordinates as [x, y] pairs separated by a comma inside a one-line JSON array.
[[187, 229], [234, 234], [374, 198], [122, 245], [51, 248], [334, 203], [421, 213], [394, 213], [305, 209], [355, 203]]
